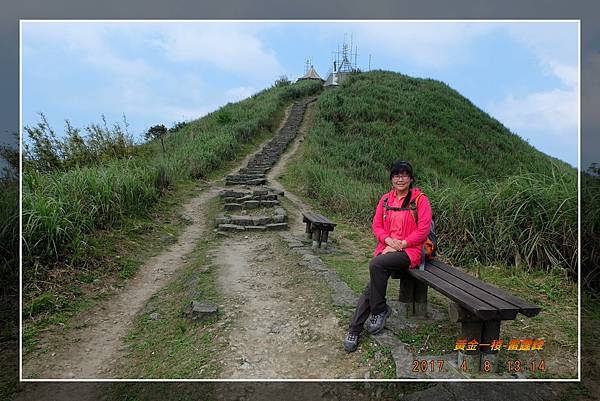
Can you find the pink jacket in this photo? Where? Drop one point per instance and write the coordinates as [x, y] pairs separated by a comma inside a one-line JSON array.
[[401, 224]]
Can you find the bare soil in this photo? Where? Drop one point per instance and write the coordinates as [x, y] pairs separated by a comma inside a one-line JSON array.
[[282, 324]]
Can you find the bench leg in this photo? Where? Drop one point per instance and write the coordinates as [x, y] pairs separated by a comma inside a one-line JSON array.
[[308, 231], [406, 296], [316, 238], [469, 361], [489, 358], [324, 237], [420, 308]]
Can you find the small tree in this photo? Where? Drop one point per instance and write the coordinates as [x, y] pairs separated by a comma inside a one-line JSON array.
[[44, 151], [11, 155], [157, 132], [282, 81]]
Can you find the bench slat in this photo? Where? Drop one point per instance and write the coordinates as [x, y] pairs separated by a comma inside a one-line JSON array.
[[507, 310], [526, 308], [323, 226], [317, 219], [469, 302]]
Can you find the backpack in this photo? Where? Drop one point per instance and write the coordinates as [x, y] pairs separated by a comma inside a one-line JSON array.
[[430, 246]]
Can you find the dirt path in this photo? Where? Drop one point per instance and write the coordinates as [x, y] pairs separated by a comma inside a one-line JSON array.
[[90, 350], [282, 325]]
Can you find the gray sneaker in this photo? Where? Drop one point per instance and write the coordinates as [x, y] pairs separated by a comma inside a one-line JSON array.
[[376, 322], [351, 342]]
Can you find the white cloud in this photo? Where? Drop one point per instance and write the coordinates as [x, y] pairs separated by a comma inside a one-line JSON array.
[[568, 74], [552, 112], [427, 44], [229, 46], [89, 42], [554, 45]]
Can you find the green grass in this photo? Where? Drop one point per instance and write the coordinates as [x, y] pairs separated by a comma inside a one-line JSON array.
[[115, 256], [190, 350], [495, 197]]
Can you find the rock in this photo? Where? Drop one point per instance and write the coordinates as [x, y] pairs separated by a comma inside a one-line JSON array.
[[269, 203], [231, 227], [202, 310], [279, 218], [256, 228], [251, 204], [261, 220], [277, 226], [168, 239], [154, 316], [232, 206], [242, 220], [233, 194], [280, 211], [222, 220], [186, 219]]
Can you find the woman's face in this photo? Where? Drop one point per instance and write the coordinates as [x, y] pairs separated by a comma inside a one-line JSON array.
[[401, 181]]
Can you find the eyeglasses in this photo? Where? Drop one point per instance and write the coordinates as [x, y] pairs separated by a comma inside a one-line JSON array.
[[400, 176]]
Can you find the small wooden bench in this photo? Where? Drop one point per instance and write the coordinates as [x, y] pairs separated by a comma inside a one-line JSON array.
[[480, 307], [317, 228]]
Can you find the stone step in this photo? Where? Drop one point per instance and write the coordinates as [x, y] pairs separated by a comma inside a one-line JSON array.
[[246, 182], [277, 226], [231, 227]]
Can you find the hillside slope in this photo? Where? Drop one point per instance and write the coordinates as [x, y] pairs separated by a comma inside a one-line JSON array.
[[495, 196]]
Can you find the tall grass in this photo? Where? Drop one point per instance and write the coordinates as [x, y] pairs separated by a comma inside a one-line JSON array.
[[590, 231], [495, 197], [9, 231], [61, 207], [528, 219]]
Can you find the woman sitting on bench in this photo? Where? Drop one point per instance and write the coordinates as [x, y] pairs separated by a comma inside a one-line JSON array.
[[399, 244]]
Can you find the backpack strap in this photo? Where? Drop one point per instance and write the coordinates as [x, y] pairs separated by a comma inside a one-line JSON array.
[[412, 208]]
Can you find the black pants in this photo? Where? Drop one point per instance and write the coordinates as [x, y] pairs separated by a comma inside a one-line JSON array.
[[372, 299]]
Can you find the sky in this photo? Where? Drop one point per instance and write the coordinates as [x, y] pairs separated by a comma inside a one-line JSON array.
[[525, 74]]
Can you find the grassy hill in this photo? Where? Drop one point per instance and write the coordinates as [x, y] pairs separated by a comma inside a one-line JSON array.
[[495, 197]]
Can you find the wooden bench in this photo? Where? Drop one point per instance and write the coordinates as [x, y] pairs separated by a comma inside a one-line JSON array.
[[480, 307], [317, 228]]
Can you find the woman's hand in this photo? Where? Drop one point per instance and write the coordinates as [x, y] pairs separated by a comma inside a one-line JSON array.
[[388, 249], [396, 244]]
